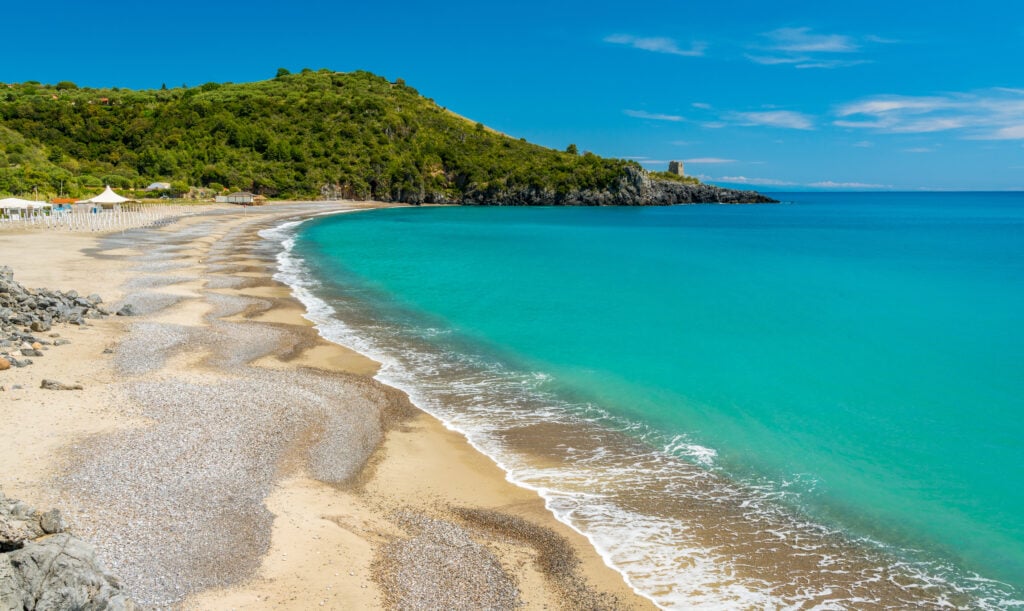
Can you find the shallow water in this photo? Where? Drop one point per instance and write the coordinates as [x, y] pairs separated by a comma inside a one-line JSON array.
[[815, 402]]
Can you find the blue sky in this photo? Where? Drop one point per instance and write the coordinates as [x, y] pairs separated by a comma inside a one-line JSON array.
[[777, 95]]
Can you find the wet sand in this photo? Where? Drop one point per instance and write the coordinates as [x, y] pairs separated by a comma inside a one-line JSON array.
[[223, 455]]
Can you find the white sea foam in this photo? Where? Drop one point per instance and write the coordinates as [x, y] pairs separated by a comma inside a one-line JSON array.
[[660, 557]]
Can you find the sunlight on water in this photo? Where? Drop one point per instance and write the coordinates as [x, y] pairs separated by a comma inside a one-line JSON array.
[[805, 404]]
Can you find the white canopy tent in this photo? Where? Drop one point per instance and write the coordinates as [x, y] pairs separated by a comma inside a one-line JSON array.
[[15, 208], [12, 203], [107, 197]]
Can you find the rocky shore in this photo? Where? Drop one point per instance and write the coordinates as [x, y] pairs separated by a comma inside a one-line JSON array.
[[26, 314], [635, 187]]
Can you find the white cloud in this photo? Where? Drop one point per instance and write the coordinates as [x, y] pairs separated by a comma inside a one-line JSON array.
[[864, 144], [919, 149], [861, 124], [805, 49], [657, 45], [829, 184], [769, 60], [802, 40], [701, 105], [924, 126], [1013, 132], [829, 64], [654, 116], [743, 180], [709, 160], [992, 114], [804, 62], [882, 105], [775, 182], [786, 119]]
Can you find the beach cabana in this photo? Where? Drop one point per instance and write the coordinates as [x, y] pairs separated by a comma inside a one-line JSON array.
[[15, 207], [17, 203], [107, 199]]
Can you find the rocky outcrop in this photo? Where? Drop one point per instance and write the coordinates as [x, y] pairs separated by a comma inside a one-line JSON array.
[[635, 187], [43, 567], [25, 312]]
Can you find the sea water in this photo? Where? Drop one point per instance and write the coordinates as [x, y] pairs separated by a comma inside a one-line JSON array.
[[812, 403]]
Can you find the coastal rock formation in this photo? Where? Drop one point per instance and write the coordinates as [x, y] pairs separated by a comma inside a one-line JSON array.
[[43, 567], [26, 311], [634, 187]]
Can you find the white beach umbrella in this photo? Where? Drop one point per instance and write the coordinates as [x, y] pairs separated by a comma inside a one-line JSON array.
[[107, 197]]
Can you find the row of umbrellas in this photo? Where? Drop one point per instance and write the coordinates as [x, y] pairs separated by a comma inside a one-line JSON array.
[[107, 197]]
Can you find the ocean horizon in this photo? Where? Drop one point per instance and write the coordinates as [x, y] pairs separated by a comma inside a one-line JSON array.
[[795, 404]]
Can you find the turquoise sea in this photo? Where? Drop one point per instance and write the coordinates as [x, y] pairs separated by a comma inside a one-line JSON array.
[[819, 402]]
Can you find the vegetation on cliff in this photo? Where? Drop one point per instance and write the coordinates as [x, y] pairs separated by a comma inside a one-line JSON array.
[[301, 135]]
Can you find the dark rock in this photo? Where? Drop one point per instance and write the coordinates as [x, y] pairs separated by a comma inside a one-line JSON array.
[[55, 385], [126, 310], [40, 325], [61, 342]]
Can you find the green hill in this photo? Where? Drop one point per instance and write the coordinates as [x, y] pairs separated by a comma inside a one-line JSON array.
[[295, 136]]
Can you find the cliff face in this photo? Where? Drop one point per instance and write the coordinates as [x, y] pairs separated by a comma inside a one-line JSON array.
[[634, 188]]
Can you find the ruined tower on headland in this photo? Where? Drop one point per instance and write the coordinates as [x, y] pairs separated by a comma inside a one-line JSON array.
[[676, 167]]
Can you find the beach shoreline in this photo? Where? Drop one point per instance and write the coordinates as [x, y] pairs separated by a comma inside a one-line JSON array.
[[308, 528]]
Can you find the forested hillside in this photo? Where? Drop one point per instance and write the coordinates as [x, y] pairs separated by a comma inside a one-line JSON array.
[[301, 135]]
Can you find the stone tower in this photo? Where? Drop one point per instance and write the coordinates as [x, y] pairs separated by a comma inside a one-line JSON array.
[[676, 167]]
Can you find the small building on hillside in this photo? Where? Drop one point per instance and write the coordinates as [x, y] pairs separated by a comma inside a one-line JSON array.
[[676, 167], [242, 197]]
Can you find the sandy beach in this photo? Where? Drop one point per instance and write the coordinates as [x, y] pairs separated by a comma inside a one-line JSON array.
[[222, 455]]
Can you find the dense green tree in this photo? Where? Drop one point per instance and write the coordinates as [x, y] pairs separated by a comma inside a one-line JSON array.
[[285, 137]]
